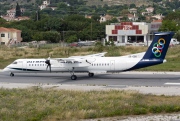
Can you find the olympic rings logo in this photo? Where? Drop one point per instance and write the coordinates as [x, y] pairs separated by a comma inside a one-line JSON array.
[[158, 47]]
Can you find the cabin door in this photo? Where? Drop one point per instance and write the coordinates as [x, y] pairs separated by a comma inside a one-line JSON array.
[[24, 65], [112, 65]]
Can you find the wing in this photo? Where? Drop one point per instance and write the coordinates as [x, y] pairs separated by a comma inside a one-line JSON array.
[[92, 55], [72, 62], [77, 61]]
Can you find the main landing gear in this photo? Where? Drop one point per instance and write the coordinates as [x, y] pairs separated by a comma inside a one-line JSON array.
[[74, 77], [90, 74], [11, 74]]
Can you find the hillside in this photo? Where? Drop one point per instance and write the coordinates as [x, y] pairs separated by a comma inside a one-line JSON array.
[[118, 2], [89, 2], [19, 1]]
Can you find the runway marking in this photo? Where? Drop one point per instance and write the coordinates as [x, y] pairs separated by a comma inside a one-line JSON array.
[[117, 86], [176, 84]]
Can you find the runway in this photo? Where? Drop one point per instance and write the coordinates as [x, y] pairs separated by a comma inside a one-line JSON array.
[[125, 78]]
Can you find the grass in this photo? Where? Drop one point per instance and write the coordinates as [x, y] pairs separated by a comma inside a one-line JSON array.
[[37, 104], [8, 55]]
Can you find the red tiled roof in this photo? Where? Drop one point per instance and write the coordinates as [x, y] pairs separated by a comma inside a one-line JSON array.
[[160, 20], [3, 29]]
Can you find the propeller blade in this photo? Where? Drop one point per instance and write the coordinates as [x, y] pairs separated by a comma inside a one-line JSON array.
[[50, 68], [48, 65]]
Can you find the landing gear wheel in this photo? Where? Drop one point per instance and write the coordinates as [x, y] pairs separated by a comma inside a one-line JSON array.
[[91, 74], [73, 77], [11, 74]]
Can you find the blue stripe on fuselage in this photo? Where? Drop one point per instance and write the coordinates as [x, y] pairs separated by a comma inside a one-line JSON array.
[[145, 63], [24, 69]]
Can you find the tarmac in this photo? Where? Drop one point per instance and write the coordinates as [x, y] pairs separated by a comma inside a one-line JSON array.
[[169, 89]]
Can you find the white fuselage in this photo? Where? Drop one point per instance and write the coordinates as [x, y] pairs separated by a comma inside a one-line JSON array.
[[93, 64]]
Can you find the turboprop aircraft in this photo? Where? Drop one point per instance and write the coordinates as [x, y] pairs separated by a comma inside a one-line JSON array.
[[97, 63]]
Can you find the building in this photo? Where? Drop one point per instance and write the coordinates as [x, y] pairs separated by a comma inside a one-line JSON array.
[[158, 16], [21, 18], [105, 18], [45, 4], [133, 10], [10, 36], [132, 17], [150, 9], [12, 12], [131, 33], [11, 15], [88, 16]]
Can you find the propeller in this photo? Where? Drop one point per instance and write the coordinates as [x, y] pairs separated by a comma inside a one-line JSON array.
[[48, 64]]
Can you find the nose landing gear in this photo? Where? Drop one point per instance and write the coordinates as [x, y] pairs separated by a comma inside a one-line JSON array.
[[11, 74]]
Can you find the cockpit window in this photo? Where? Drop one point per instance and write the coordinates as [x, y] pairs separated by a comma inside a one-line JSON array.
[[14, 62]]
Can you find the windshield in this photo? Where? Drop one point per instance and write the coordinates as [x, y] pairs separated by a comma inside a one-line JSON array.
[[14, 62]]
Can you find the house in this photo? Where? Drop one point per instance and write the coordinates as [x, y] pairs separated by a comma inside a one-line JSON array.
[[7, 18], [158, 16], [132, 17], [45, 4], [53, 8], [119, 18], [10, 36], [12, 12], [21, 18], [133, 10], [150, 9], [105, 18], [11, 15], [88, 16]]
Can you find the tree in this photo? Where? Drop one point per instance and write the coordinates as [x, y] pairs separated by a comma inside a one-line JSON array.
[[2, 21], [38, 36], [37, 16], [51, 36], [72, 38], [18, 10], [132, 5], [177, 35], [25, 32], [168, 25], [95, 17]]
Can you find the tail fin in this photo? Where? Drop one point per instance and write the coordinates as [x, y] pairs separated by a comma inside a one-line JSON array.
[[159, 46]]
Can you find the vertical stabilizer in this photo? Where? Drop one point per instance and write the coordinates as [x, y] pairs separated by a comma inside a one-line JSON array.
[[159, 46]]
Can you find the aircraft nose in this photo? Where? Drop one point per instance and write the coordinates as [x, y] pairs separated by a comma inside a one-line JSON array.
[[5, 69]]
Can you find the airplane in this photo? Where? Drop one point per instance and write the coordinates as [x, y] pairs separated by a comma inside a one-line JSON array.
[[97, 63]]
